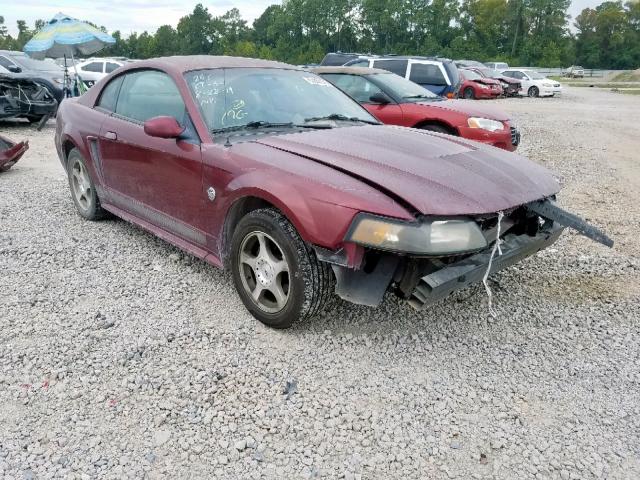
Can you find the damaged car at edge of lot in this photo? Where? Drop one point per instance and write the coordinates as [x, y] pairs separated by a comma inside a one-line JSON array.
[[11, 152], [276, 174], [24, 98]]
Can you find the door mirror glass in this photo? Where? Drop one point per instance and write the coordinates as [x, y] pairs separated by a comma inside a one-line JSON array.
[[163, 127], [380, 98]]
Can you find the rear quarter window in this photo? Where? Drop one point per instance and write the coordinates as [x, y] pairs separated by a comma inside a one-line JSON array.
[[399, 67], [424, 73], [111, 67], [109, 96], [93, 67]]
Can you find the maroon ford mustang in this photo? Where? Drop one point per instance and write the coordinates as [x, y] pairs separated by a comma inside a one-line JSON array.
[[273, 172]]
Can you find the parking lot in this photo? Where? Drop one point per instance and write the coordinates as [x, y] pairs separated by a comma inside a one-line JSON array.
[[122, 356]]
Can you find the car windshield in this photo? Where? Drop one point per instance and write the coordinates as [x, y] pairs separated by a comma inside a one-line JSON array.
[[28, 63], [403, 88], [471, 75], [264, 97], [536, 76]]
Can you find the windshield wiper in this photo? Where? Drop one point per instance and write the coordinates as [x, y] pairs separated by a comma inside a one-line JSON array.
[[253, 125], [339, 116], [264, 124]]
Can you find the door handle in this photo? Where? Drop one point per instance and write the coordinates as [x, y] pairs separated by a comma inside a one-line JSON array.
[[111, 136]]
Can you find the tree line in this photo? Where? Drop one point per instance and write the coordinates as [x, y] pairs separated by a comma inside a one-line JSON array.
[[520, 32]]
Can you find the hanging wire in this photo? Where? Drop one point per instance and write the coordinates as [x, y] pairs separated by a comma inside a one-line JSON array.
[[496, 248]]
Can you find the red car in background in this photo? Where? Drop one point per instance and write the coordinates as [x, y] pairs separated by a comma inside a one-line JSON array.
[[474, 86], [510, 86], [397, 101]]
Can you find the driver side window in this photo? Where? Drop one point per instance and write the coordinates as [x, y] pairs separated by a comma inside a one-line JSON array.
[[149, 93], [358, 88]]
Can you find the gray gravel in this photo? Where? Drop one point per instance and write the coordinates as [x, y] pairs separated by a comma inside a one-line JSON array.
[[121, 356]]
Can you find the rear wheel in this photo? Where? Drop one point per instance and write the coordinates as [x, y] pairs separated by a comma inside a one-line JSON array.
[[533, 92], [468, 93], [277, 275], [83, 190]]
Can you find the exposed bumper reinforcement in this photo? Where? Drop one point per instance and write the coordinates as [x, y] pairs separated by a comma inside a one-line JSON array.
[[439, 284]]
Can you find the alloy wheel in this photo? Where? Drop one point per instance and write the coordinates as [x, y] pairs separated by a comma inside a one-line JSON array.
[[81, 185], [264, 271]]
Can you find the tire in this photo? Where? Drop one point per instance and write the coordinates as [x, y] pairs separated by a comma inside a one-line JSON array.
[[257, 271], [533, 92], [83, 190], [435, 128], [469, 94], [34, 118]]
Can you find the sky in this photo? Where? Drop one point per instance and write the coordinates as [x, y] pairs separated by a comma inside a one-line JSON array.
[[139, 15]]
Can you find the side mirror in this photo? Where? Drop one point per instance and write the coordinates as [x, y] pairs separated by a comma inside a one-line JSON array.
[[380, 98], [163, 127], [14, 69]]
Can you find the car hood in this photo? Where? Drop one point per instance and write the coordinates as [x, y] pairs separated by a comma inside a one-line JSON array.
[[486, 81], [433, 173], [471, 108]]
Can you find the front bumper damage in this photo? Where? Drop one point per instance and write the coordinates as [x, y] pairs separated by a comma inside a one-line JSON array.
[[25, 98], [424, 281], [439, 284]]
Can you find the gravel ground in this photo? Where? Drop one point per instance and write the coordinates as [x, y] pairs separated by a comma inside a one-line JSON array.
[[121, 356]]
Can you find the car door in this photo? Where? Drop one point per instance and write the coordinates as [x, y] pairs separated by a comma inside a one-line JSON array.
[[361, 90], [156, 179]]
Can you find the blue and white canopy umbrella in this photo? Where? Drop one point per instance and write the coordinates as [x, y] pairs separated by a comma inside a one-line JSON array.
[[65, 36]]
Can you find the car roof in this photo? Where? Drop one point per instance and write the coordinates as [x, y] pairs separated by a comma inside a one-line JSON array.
[[189, 63], [350, 70], [13, 53], [411, 57]]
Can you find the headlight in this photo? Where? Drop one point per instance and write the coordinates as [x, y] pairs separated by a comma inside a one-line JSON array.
[[485, 124], [429, 238], [482, 85], [547, 85]]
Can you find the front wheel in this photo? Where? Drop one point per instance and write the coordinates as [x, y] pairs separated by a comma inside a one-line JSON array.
[[533, 92], [83, 190], [277, 275], [468, 93], [435, 128]]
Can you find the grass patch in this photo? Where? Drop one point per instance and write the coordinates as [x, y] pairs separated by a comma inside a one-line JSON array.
[[629, 92], [596, 85], [630, 76]]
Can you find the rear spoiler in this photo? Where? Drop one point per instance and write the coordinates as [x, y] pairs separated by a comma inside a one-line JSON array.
[[549, 210]]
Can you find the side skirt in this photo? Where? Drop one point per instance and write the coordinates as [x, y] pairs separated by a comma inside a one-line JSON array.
[[165, 235]]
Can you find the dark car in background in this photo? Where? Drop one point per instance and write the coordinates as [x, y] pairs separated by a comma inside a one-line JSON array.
[[475, 87], [468, 63], [438, 75], [25, 98], [397, 101], [336, 59], [46, 72]]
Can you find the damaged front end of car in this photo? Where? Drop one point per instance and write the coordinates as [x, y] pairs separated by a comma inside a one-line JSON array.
[[24, 98], [426, 261], [10, 152]]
